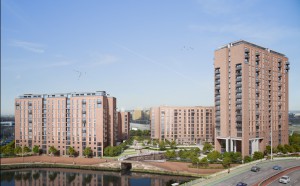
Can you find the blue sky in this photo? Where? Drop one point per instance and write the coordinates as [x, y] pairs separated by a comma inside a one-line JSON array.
[[144, 53]]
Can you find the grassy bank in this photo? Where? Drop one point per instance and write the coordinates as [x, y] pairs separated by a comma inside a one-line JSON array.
[[50, 165], [93, 168]]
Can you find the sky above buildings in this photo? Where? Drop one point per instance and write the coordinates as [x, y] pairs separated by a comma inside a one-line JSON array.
[[144, 53]]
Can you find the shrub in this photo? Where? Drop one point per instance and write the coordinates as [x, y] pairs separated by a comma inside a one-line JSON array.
[[247, 159], [258, 155]]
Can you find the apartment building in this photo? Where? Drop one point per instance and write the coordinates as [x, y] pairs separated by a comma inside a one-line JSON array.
[[251, 98], [124, 125], [80, 120], [185, 125]]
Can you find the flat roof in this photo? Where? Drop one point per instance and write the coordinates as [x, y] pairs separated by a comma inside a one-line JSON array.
[[248, 43], [70, 94]]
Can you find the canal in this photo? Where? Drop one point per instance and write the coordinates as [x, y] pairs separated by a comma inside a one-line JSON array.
[[75, 177]]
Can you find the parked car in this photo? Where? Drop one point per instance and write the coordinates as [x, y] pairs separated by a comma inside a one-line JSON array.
[[241, 184], [255, 169], [276, 167], [284, 179]]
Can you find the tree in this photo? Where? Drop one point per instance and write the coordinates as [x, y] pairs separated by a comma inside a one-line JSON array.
[[26, 149], [226, 162], [203, 162], [258, 155], [268, 149], [213, 156], [207, 147], [162, 145], [170, 154], [36, 149], [173, 144], [87, 152], [294, 139], [247, 159], [18, 150], [52, 150], [195, 160], [71, 151], [289, 148]]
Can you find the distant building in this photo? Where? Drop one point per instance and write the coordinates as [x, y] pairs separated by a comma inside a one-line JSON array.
[[137, 114], [251, 98], [8, 123], [185, 125], [124, 125], [79, 120]]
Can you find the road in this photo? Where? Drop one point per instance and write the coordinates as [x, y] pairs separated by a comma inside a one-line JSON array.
[[295, 179], [251, 178]]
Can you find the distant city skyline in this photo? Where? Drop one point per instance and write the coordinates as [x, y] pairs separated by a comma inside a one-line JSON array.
[[144, 53]]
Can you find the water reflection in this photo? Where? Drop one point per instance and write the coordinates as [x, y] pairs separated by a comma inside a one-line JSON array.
[[72, 177]]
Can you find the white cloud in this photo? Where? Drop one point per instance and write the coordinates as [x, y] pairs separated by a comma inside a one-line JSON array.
[[30, 46], [102, 59]]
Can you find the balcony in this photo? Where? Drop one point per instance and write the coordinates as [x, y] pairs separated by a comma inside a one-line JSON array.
[[238, 102], [257, 113], [238, 85], [256, 102], [239, 78], [217, 86], [83, 111], [239, 90], [238, 114], [29, 111], [257, 59], [217, 71], [217, 103], [238, 73], [257, 54], [217, 118], [279, 64], [217, 98], [217, 82], [238, 107], [246, 50], [279, 74], [287, 63], [246, 55], [257, 80], [257, 69], [239, 96], [239, 67], [256, 91], [279, 94], [279, 104], [239, 119], [287, 68]]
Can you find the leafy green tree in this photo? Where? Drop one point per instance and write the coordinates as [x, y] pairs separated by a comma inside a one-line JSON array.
[[173, 144], [203, 162], [87, 152], [226, 162], [52, 150], [207, 147], [289, 148], [71, 151], [26, 149], [18, 150], [294, 139], [8, 150], [170, 154], [213, 156], [162, 145], [296, 147], [268, 149], [36, 149], [258, 155], [195, 160], [247, 159]]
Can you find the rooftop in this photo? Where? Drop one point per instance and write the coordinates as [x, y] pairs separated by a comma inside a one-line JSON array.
[[68, 95], [248, 43]]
